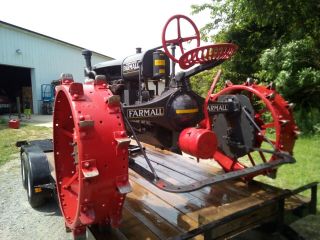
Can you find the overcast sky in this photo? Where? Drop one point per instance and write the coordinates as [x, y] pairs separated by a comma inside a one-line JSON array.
[[114, 28]]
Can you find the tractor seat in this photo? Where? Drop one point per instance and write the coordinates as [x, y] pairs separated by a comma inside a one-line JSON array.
[[205, 54]]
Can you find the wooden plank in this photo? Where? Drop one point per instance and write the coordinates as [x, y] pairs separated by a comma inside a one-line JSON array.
[[295, 201], [160, 227], [249, 221], [183, 202], [132, 228], [151, 202], [211, 214]]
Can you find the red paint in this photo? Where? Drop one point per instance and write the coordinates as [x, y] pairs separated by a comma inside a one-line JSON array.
[[88, 160], [206, 54], [201, 143], [14, 123], [179, 40]]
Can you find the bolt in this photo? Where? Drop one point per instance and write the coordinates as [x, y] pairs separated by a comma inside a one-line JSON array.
[[249, 81], [86, 164], [272, 86], [86, 200], [84, 209], [81, 118], [228, 83], [75, 96], [291, 106], [296, 133], [284, 122], [271, 96]]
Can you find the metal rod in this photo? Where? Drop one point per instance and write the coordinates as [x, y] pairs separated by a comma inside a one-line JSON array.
[[257, 127], [173, 64], [140, 146], [140, 82]]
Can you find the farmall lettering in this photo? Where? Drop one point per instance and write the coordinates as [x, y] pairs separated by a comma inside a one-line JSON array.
[[131, 66], [218, 108], [145, 112]]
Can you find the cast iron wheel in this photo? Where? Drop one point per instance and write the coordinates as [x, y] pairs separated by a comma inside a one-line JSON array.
[[90, 153], [275, 131], [35, 199]]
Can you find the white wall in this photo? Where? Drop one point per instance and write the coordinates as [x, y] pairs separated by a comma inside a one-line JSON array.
[[47, 58]]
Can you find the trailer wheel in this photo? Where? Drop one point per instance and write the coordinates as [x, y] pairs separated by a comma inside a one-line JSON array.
[[23, 170], [35, 199]]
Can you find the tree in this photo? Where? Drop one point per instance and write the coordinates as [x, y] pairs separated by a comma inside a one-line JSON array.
[[279, 40]]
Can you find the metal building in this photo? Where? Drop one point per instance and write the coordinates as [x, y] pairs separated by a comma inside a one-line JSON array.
[[30, 61]]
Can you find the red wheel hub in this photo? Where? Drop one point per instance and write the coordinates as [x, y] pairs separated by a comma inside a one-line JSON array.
[[91, 156]]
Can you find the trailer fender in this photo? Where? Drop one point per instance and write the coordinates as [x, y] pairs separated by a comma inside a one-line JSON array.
[[35, 172]]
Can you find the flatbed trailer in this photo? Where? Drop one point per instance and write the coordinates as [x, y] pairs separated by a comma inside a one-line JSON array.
[[221, 211]]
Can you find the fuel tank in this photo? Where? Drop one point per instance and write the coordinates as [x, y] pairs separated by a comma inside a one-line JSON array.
[[128, 68]]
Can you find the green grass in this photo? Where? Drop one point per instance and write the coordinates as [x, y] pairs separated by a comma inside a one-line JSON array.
[[9, 137], [305, 170]]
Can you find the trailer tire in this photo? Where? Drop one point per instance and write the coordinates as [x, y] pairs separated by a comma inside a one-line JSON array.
[[35, 199], [23, 169]]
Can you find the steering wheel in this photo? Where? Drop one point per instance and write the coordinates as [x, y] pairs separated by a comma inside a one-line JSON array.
[[179, 40]]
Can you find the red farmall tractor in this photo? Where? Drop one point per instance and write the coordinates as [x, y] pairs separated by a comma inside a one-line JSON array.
[[99, 125]]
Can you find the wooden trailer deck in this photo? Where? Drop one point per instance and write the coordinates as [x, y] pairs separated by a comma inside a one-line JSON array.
[[214, 212]]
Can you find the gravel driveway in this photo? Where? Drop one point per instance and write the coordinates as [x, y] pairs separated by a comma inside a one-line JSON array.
[[17, 219]]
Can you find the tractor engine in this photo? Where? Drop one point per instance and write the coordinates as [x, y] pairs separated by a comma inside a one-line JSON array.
[[129, 77], [157, 106]]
